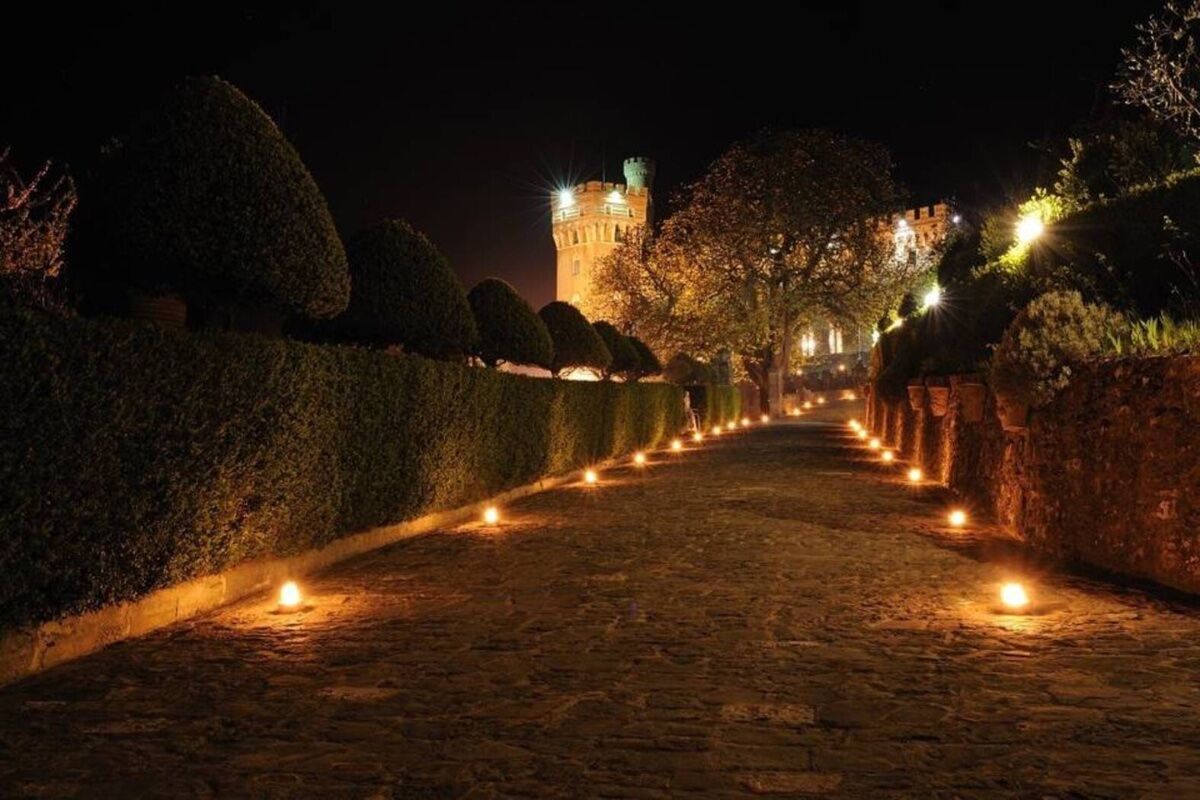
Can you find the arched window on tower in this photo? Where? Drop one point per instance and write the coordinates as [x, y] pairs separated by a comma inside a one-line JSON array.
[[616, 233], [574, 237]]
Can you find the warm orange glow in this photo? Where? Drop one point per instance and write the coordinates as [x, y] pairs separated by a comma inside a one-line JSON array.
[[716, 430], [915, 475], [807, 405], [289, 595], [854, 424], [745, 422], [861, 433], [1013, 596], [821, 401], [639, 458], [888, 456], [491, 515], [874, 444], [849, 396], [590, 476], [697, 437], [677, 444], [958, 518], [765, 418]]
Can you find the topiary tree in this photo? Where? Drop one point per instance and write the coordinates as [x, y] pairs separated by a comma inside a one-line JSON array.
[[576, 343], [207, 199], [648, 363], [625, 359], [684, 370], [404, 293], [509, 330]]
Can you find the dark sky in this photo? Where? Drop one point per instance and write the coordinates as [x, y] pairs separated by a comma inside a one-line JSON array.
[[462, 123]]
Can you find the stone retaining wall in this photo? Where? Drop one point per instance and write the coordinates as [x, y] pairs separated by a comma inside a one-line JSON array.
[[1108, 474]]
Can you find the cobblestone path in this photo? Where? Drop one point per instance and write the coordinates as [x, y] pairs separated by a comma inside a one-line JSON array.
[[773, 614]]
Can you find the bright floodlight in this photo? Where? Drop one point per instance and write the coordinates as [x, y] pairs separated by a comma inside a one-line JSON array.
[[1029, 228], [933, 297], [615, 197], [1013, 596], [566, 198]]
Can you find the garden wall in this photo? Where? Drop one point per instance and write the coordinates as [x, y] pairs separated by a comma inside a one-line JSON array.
[[1107, 475], [137, 458]]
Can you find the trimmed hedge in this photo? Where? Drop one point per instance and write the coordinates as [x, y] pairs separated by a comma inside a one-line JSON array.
[[136, 457], [648, 363], [716, 403], [576, 343], [509, 329], [625, 359], [205, 197]]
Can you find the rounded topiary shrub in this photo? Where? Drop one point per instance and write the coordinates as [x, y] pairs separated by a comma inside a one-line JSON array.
[[509, 330], [625, 359], [207, 199], [404, 293], [576, 343], [684, 370], [1035, 358], [648, 363]]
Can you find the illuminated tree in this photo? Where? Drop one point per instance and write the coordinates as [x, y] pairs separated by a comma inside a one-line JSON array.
[[1161, 72], [33, 226]]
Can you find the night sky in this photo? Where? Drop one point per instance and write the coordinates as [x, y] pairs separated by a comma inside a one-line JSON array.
[[463, 123]]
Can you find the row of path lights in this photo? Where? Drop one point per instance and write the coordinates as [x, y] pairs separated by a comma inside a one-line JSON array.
[[291, 599], [1013, 596]]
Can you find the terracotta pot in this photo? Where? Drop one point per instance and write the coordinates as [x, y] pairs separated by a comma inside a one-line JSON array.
[[971, 397], [916, 396], [1013, 414], [939, 399], [169, 311]]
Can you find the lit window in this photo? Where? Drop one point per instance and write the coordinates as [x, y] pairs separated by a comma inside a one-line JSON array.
[[575, 267]]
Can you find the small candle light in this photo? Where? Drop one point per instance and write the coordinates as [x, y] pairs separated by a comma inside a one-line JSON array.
[[888, 456], [697, 437], [590, 476], [821, 400], [289, 596], [861, 433], [765, 418], [745, 422], [915, 475], [958, 518], [676, 445], [874, 444], [491, 515], [639, 458], [854, 424], [716, 430], [807, 405], [1013, 596]]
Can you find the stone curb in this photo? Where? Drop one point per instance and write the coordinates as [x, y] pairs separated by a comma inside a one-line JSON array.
[[29, 651]]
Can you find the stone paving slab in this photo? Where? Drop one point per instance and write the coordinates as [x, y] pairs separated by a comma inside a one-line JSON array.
[[773, 615]]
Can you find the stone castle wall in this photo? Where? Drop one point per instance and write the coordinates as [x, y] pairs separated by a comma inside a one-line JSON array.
[[1107, 475]]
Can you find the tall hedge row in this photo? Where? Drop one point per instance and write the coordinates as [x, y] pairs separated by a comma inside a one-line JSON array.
[[137, 457], [716, 403]]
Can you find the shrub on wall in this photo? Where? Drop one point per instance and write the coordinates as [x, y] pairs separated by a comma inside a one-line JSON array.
[[403, 292], [625, 359], [576, 343], [137, 457], [509, 330], [1054, 334], [206, 198]]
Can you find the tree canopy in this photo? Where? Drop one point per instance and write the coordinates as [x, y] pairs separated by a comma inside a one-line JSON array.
[[576, 343], [509, 330]]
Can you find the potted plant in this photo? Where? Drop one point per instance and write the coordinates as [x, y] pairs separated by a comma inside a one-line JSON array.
[[916, 394], [971, 392], [939, 395], [1034, 359]]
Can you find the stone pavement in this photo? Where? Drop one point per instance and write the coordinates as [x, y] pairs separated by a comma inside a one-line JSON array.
[[774, 614]]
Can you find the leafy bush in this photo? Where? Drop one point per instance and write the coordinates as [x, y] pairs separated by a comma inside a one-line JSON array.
[[509, 330], [715, 403], [648, 363], [625, 359], [403, 292], [684, 370], [576, 343], [33, 227], [1159, 336], [137, 457], [206, 198], [1052, 334]]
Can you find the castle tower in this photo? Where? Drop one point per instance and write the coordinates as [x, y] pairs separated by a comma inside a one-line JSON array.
[[591, 220]]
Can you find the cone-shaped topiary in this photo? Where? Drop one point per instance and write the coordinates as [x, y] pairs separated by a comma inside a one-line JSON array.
[[207, 199], [648, 363], [509, 330], [625, 359], [576, 343], [403, 292]]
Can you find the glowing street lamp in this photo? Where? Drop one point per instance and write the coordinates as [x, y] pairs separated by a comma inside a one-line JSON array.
[[289, 597], [491, 515], [932, 297], [958, 518], [1029, 227], [566, 198], [1014, 596]]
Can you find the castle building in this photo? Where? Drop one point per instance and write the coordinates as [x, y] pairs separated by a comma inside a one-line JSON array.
[[591, 220]]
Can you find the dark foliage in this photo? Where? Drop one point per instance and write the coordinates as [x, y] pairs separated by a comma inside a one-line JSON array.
[[403, 292], [509, 329], [684, 370], [207, 199], [576, 343], [625, 360], [648, 363], [137, 457], [715, 403]]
